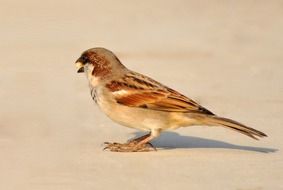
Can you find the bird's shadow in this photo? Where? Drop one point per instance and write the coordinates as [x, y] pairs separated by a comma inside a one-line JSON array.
[[172, 140]]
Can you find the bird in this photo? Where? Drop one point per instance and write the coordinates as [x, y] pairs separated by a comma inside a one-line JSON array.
[[137, 101]]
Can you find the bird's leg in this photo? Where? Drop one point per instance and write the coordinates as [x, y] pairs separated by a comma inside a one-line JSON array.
[[138, 139], [145, 142], [130, 146], [140, 144]]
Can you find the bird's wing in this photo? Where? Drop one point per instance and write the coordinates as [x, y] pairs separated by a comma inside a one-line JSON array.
[[136, 90]]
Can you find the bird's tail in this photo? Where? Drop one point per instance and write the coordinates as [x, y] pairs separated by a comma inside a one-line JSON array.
[[234, 125]]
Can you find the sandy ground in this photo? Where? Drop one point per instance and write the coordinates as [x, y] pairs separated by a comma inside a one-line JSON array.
[[227, 55]]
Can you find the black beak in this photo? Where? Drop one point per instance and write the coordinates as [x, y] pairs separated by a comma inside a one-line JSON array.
[[81, 70]]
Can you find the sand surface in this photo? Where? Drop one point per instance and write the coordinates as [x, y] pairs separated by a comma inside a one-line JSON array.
[[227, 55]]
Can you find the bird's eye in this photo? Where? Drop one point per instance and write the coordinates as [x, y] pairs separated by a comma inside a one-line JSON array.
[[84, 59]]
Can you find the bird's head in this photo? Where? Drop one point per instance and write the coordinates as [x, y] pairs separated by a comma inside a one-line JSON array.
[[98, 63]]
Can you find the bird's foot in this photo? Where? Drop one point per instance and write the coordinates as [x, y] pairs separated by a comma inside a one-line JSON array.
[[131, 146]]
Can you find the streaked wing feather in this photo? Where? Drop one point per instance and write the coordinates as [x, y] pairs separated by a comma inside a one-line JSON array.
[[138, 99], [144, 92]]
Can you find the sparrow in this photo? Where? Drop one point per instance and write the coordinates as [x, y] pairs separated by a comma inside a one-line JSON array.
[[137, 101]]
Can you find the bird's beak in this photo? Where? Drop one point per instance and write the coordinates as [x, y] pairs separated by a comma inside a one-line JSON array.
[[80, 67]]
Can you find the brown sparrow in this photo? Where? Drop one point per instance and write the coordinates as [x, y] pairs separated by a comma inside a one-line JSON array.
[[137, 101]]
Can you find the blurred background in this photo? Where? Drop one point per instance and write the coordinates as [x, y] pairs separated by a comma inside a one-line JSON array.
[[227, 55]]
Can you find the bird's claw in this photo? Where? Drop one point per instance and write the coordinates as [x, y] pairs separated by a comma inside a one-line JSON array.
[[129, 147]]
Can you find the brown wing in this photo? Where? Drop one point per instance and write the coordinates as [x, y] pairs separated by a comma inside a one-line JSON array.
[[136, 90]]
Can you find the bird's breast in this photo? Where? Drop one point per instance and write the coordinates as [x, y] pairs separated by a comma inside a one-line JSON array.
[[138, 118]]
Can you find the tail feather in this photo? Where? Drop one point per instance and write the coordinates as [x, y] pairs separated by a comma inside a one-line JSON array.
[[234, 125]]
